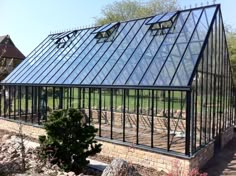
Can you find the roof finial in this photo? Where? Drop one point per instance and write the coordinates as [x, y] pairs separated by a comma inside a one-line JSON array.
[[190, 6], [196, 5], [214, 1], [184, 7], [207, 3], [201, 4]]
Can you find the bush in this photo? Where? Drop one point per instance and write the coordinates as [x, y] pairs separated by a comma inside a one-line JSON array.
[[69, 140]]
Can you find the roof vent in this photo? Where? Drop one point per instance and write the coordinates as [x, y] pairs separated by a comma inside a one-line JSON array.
[[106, 32], [64, 39], [160, 24]]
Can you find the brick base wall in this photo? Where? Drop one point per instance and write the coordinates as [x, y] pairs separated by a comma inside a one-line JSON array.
[[165, 162], [202, 156], [227, 136], [146, 158]]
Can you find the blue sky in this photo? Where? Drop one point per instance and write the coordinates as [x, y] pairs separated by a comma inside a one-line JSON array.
[[28, 22]]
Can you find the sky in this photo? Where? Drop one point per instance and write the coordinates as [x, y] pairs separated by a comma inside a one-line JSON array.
[[28, 22]]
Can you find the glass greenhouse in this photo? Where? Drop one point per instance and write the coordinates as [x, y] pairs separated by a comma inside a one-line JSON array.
[[161, 83]]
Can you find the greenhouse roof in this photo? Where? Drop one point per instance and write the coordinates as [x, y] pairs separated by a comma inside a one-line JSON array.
[[162, 50]]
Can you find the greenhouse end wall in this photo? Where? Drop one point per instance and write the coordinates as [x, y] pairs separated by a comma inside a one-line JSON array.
[[213, 97]]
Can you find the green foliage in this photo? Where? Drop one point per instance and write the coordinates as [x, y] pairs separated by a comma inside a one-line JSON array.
[[231, 41], [130, 9], [69, 140]]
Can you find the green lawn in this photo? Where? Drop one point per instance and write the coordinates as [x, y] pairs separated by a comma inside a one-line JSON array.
[[145, 100]]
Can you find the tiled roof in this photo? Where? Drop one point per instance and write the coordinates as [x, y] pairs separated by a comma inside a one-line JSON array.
[[8, 49], [11, 52], [2, 38]]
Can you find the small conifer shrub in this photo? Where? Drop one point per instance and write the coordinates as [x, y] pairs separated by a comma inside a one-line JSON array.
[[69, 140]]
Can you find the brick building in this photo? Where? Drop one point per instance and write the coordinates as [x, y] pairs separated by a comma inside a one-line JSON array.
[[10, 56]]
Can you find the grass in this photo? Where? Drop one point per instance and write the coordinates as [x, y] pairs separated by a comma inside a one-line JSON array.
[[145, 100], [130, 102]]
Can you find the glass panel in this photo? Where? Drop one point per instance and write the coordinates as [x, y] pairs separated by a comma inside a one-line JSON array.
[[89, 47], [91, 63], [46, 62], [209, 12], [108, 55], [87, 64], [37, 62], [52, 70], [118, 114], [172, 63], [195, 47], [160, 57], [184, 70], [177, 115], [119, 64], [109, 27], [118, 52], [147, 57], [50, 99], [58, 96], [190, 58], [106, 115], [100, 28], [83, 49], [63, 34], [155, 19], [22, 104], [80, 62], [134, 59], [167, 16]]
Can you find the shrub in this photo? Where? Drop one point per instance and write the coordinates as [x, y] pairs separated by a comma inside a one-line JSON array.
[[69, 140]]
